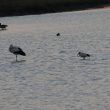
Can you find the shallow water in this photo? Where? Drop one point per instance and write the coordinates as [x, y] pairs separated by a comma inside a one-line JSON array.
[[51, 76]]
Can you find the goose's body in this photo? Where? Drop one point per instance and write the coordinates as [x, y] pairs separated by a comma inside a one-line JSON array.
[[3, 26], [83, 55], [16, 51]]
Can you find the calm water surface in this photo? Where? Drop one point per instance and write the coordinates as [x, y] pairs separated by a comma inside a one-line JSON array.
[[51, 76]]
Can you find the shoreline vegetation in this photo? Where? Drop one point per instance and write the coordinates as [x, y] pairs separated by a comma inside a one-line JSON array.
[[26, 7]]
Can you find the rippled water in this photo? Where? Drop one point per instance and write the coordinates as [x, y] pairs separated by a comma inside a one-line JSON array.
[[51, 76]]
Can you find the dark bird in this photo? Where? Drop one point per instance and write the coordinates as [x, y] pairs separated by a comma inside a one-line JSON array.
[[3, 26], [58, 34], [16, 51], [83, 55]]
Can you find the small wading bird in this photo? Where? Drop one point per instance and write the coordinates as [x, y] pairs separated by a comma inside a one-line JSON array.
[[3, 26], [16, 51], [58, 34], [83, 55]]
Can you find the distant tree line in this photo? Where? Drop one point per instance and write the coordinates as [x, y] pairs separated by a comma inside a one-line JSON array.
[[20, 7]]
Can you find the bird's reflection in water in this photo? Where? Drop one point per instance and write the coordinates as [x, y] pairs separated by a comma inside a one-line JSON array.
[[20, 61]]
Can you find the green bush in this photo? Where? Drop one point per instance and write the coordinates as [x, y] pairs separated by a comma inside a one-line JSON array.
[[11, 7]]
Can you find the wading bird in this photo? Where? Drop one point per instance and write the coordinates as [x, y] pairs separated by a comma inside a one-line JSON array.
[[58, 34], [83, 55], [3, 26], [16, 51]]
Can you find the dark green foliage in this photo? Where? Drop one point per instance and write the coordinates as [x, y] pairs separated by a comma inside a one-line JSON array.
[[19, 7]]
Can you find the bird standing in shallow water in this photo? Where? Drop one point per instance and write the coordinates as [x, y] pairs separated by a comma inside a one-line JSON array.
[[83, 55], [58, 34], [3, 26], [16, 51]]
